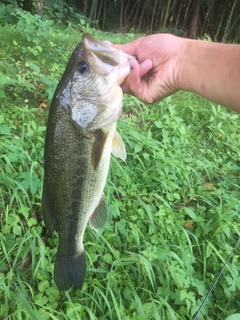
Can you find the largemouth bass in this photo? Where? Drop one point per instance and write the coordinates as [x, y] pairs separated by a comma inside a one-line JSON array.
[[81, 135]]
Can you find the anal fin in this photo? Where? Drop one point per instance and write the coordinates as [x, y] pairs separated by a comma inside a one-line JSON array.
[[100, 215]]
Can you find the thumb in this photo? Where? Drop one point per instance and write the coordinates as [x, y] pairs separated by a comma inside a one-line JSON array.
[[133, 84], [145, 66]]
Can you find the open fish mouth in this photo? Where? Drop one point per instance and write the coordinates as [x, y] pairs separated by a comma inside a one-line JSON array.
[[104, 51], [106, 59]]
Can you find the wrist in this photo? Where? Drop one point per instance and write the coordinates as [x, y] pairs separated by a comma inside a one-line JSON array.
[[186, 65]]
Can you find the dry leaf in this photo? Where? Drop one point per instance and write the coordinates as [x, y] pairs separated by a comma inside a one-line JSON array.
[[188, 225], [208, 185], [43, 105]]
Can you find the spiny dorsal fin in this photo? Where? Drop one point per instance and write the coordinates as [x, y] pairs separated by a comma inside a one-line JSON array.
[[100, 215], [98, 146], [118, 147]]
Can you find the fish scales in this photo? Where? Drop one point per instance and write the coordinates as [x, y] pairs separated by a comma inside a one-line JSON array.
[[81, 133], [74, 186]]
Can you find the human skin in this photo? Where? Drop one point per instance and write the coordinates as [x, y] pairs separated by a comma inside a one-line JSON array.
[[165, 64]]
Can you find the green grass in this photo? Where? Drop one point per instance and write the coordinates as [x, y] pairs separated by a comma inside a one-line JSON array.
[[182, 167]]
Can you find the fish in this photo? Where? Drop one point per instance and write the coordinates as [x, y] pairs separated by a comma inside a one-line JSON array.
[[80, 138]]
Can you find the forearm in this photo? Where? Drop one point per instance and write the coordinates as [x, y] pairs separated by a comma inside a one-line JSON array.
[[211, 70]]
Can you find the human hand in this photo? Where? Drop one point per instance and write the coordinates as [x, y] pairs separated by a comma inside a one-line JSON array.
[[166, 64], [154, 74]]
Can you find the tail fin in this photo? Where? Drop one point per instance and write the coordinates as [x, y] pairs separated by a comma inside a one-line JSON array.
[[70, 271]]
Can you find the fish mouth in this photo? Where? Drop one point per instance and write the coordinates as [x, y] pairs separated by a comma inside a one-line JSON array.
[[104, 51], [106, 59]]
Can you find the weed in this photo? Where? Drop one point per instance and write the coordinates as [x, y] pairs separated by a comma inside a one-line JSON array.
[[174, 205]]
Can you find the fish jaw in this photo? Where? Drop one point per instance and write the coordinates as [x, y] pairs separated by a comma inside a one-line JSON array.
[[106, 59], [104, 51]]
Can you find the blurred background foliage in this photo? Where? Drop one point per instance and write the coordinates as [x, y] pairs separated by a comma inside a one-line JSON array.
[[217, 19]]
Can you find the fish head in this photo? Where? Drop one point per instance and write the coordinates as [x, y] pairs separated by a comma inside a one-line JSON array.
[[92, 90]]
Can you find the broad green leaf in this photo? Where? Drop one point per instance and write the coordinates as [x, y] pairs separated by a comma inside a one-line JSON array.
[[235, 316]]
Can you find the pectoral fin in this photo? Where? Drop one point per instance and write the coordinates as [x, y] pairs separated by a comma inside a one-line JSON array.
[[118, 147], [99, 216], [98, 146]]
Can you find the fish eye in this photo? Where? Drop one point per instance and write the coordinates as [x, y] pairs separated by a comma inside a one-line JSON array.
[[82, 67]]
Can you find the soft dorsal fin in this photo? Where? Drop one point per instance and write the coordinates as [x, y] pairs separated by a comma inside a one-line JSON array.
[[98, 146], [118, 147], [100, 215]]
